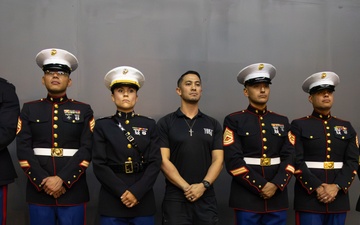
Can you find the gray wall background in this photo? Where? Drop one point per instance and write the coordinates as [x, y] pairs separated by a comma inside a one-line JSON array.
[[163, 39]]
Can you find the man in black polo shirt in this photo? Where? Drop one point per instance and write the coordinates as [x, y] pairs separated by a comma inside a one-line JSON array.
[[191, 148]]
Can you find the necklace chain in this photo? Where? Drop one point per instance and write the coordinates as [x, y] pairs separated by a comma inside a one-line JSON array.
[[190, 127]]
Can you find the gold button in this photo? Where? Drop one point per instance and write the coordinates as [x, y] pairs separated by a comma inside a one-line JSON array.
[[29, 173], [39, 185], [263, 124], [129, 145], [305, 182], [254, 181], [264, 139], [349, 183], [259, 186], [257, 111], [74, 176], [80, 171], [129, 158], [342, 137], [55, 144], [51, 99], [55, 126], [34, 179], [264, 155], [56, 106], [329, 149], [69, 182], [247, 177], [328, 134], [247, 133], [265, 147], [282, 185], [56, 111], [37, 120], [127, 121], [263, 131], [56, 118], [279, 134], [327, 128], [73, 121], [261, 118], [287, 174], [284, 179], [61, 99], [310, 188], [311, 137], [325, 122], [55, 136], [328, 156], [329, 141]]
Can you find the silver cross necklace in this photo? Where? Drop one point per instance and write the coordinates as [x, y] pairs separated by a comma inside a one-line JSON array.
[[190, 127]]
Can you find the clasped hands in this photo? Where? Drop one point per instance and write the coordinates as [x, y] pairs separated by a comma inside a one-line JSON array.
[[268, 190], [326, 193], [194, 191], [128, 199], [53, 186]]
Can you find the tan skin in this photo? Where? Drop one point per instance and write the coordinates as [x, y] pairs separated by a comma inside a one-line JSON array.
[[56, 83], [322, 102], [190, 93], [258, 95], [125, 98]]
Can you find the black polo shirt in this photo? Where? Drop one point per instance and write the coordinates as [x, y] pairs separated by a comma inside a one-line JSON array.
[[190, 152]]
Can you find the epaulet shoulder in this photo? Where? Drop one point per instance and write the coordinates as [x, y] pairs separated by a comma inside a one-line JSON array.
[[139, 115], [104, 117], [238, 112], [77, 102], [272, 112]]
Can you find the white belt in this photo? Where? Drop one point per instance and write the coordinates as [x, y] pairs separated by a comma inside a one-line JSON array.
[[324, 165], [262, 161], [55, 152]]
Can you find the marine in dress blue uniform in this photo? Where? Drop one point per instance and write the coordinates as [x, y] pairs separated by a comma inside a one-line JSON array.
[[9, 112], [126, 155], [258, 154], [54, 139], [326, 157]]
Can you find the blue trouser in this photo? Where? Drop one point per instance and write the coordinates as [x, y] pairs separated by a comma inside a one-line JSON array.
[[304, 218], [140, 220], [270, 218], [3, 198], [57, 215]]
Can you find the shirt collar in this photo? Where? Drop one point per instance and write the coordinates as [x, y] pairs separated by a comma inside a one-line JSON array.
[[257, 111], [321, 116], [57, 99]]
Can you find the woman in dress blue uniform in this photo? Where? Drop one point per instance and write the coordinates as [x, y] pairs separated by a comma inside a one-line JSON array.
[[9, 112], [126, 154], [326, 157], [258, 153], [54, 146]]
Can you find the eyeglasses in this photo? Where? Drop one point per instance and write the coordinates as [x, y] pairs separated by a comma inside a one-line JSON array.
[[58, 73]]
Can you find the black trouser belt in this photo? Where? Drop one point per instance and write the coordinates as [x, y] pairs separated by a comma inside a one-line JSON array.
[[129, 167]]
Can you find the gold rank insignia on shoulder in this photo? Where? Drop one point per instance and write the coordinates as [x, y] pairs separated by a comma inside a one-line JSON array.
[[19, 126], [92, 124], [292, 138], [228, 137]]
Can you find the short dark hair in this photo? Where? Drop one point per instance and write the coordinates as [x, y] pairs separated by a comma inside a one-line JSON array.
[[118, 85], [186, 73]]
